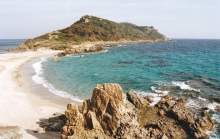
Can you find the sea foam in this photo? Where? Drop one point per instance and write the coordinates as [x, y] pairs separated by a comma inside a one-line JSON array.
[[156, 95], [213, 134], [184, 86], [39, 79]]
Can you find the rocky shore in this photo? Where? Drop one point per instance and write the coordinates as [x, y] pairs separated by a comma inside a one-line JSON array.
[[78, 49], [99, 46], [110, 114]]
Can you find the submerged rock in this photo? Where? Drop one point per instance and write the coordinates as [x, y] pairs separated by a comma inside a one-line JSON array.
[[108, 114]]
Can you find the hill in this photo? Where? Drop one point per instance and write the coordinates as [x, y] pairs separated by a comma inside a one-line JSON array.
[[94, 29]]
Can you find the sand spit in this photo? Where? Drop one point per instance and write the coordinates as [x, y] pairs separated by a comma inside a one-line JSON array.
[[20, 110]]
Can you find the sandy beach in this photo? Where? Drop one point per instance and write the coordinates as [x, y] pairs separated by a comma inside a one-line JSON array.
[[20, 106]]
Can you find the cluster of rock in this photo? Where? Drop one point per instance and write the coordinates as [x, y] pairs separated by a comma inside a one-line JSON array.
[[108, 114], [85, 18], [81, 49]]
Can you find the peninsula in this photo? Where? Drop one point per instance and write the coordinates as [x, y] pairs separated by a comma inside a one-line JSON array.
[[89, 30]]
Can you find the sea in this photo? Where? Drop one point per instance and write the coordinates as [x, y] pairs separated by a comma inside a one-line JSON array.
[[5, 44], [188, 68]]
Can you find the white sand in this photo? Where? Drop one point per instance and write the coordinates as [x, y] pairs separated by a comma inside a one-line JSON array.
[[18, 107]]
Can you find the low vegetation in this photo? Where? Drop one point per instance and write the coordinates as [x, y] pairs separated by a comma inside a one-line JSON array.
[[93, 29]]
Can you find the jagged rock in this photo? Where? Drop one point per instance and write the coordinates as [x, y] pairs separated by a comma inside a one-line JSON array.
[[137, 100], [76, 125], [109, 103], [56, 58], [196, 127], [158, 125], [149, 99], [109, 115], [93, 122], [104, 114], [183, 114], [202, 125]]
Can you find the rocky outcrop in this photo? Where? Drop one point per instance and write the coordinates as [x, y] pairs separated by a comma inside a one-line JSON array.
[[81, 49], [108, 114], [85, 18], [195, 126], [56, 58], [84, 49]]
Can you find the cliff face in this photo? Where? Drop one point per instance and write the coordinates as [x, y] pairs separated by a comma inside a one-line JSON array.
[[93, 29], [108, 114]]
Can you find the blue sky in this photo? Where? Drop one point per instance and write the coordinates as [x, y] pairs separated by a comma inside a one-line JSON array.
[[174, 18]]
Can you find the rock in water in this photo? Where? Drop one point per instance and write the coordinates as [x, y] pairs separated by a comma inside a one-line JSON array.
[[109, 115], [56, 58]]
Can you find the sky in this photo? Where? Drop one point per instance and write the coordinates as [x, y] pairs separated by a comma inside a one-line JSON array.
[[26, 19]]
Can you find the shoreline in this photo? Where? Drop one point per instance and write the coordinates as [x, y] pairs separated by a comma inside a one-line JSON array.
[[22, 103], [39, 90]]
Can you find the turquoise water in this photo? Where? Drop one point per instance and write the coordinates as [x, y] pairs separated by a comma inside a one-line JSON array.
[[138, 67], [183, 68]]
